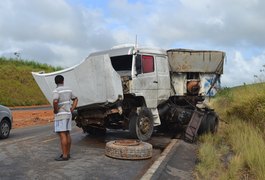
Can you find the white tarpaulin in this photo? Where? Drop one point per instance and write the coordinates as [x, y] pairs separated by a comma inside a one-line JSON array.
[[93, 81]]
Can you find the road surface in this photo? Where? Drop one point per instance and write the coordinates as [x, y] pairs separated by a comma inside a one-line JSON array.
[[29, 154]]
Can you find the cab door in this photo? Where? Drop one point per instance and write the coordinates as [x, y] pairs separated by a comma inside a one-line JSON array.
[[145, 82], [163, 79]]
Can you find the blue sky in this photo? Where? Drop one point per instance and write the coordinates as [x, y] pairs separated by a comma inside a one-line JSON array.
[[64, 32]]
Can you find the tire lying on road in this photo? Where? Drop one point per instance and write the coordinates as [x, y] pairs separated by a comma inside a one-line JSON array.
[[128, 149]]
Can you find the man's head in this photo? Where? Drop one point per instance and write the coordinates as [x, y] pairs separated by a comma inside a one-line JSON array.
[[59, 79]]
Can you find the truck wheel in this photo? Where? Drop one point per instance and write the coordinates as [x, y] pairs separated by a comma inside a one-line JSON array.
[[4, 129], [141, 126], [209, 124], [214, 124], [128, 149]]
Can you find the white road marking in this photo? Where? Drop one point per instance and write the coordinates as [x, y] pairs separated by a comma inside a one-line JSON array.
[[48, 140], [150, 172]]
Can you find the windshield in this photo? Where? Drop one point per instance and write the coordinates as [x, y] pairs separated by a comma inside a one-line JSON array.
[[122, 63]]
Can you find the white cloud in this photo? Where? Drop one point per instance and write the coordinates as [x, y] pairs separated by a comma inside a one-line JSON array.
[[63, 32], [47, 27], [239, 70]]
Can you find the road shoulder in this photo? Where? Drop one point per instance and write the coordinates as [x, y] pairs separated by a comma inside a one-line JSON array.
[[176, 162]]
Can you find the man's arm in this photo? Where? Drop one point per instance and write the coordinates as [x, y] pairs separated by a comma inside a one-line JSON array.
[[75, 101], [55, 106]]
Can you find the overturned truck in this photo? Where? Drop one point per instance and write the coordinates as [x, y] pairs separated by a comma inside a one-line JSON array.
[[142, 89]]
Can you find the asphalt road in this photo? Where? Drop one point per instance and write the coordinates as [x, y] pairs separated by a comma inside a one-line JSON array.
[[29, 154]]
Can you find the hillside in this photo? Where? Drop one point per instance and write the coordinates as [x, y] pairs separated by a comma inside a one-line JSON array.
[[237, 150], [17, 86], [246, 103]]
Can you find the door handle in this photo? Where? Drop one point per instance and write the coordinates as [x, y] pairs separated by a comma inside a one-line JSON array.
[[155, 82]]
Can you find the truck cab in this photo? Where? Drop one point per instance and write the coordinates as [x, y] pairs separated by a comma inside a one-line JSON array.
[[144, 72], [145, 76]]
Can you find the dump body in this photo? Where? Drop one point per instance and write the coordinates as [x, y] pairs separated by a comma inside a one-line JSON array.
[[190, 66], [185, 60]]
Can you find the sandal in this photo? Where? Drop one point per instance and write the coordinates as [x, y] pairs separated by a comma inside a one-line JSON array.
[[68, 156], [61, 158]]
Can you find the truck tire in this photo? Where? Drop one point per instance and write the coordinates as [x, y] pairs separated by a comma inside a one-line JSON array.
[[209, 123], [128, 149], [214, 123], [141, 126]]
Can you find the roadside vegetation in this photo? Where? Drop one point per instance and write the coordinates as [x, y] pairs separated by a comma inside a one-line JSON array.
[[17, 85], [237, 150]]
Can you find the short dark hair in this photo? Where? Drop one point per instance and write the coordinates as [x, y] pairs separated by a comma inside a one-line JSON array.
[[59, 79]]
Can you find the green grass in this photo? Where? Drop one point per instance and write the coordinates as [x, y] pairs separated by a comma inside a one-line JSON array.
[[247, 140], [17, 86], [239, 145], [209, 158]]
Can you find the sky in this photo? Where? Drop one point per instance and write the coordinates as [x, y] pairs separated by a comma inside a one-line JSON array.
[[64, 32]]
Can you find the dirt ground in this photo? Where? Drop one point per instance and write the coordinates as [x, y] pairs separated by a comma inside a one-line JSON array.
[[24, 118]]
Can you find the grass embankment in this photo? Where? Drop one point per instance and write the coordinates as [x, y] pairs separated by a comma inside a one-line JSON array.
[[17, 85], [237, 150]]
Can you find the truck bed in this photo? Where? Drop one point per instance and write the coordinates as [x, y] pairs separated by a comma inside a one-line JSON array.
[[185, 60]]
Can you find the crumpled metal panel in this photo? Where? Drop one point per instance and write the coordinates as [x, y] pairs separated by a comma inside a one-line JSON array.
[[183, 60], [210, 84], [193, 126], [93, 81]]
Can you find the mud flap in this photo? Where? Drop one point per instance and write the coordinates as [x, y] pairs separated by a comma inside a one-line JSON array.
[[193, 126]]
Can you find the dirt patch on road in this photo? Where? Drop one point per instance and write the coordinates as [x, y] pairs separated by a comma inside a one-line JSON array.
[[24, 118]]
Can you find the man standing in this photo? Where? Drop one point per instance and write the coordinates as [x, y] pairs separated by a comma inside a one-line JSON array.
[[63, 109]]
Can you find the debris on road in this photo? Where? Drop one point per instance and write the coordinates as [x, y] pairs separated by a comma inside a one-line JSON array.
[[128, 149]]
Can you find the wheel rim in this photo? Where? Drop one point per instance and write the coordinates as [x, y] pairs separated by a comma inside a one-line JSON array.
[[5, 129], [144, 125]]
